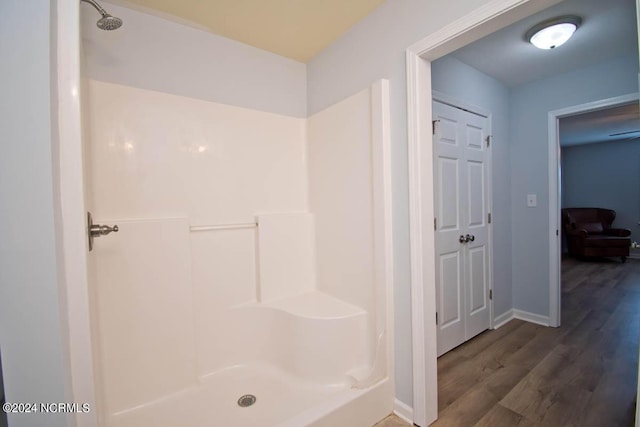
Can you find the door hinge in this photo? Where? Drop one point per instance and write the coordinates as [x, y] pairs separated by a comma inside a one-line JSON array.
[[433, 126], [436, 317], [489, 217], [491, 294], [488, 140], [435, 223], [557, 232]]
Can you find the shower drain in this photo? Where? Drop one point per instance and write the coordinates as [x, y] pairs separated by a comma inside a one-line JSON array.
[[246, 400]]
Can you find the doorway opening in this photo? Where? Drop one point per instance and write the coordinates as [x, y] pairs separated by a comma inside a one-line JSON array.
[[469, 28], [607, 117], [422, 192]]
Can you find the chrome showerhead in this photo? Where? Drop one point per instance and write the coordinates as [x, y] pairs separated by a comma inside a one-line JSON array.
[[107, 22]]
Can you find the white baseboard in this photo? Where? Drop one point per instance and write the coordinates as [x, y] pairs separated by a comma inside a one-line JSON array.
[[403, 411], [503, 319], [531, 317]]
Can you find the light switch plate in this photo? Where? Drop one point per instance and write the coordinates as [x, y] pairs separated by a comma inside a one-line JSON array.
[[532, 200]]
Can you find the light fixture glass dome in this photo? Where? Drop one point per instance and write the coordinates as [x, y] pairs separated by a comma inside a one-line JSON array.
[[553, 33], [554, 36]]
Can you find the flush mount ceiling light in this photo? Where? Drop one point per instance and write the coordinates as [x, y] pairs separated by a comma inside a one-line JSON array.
[[554, 32]]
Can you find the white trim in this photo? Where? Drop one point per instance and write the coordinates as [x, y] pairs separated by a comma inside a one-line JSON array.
[[509, 315], [503, 319], [595, 106], [422, 249], [458, 103], [382, 218], [555, 291], [495, 14], [490, 236], [531, 317], [470, 27], [403, 411], [73, 253], [554, 222]]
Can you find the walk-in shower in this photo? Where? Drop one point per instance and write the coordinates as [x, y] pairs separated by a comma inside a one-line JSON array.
[[107, 22], [250, 280]]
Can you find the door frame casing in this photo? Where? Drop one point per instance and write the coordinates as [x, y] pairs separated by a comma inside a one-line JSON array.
[[484, 20], [474, 109]]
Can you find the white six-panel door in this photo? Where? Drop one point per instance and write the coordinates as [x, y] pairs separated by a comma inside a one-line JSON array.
[[461, 157]]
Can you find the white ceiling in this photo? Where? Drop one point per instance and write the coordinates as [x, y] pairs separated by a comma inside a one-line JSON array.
[[608, 30], [620, 123]]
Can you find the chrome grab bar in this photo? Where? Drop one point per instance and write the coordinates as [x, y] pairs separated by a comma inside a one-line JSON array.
[[223, 226]]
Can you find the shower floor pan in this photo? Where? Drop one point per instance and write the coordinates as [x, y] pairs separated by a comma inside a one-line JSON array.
[[281, 400]]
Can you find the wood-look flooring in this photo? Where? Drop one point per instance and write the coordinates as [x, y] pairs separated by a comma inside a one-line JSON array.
[[583, 373]]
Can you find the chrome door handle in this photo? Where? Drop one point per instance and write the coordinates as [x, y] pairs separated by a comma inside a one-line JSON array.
[[97, 230], [470, 238], [461, 239]]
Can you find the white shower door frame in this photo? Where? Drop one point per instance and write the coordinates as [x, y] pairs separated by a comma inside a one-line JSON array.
[[71, 232]]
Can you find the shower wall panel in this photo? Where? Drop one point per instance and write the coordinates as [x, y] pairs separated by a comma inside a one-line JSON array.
[[349, 176], [341, 198], [159, 155], [145, 312], [287, 259], [165, 298], [224, 276]]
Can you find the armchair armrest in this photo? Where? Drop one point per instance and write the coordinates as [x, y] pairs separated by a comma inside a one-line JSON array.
[[578, 232], [619, 232]]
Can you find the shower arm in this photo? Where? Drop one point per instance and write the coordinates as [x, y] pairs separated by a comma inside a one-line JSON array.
[[97, 6]]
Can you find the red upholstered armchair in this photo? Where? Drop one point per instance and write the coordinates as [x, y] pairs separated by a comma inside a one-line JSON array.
[[589, 233]]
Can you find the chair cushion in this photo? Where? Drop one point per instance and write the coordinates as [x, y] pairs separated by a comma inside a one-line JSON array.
[[600, 241], [591, 227]]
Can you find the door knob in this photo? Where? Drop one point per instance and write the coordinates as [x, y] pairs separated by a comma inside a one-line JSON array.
[[470, 238], [97, 230], [461, 239]]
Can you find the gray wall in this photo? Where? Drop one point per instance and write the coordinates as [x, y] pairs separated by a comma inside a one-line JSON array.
[[530, 105], [153, 53], [454, 78], [604, 175], [30, 321]]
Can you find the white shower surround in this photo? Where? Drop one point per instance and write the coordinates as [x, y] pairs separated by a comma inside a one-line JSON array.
[[297, 310]]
